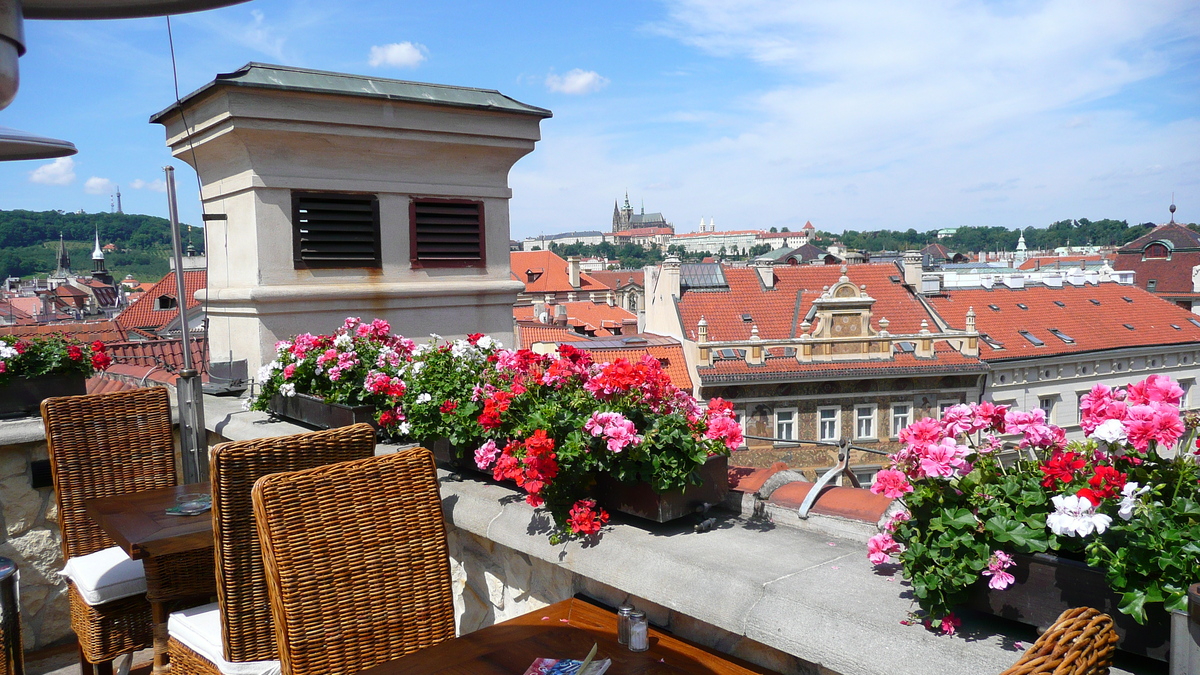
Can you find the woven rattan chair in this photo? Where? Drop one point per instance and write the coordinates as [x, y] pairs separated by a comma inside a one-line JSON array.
[[245, 642], [357, 562], [100, 446], [1081, 642]]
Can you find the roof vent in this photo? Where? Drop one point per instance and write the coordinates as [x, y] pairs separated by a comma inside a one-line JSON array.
[[1094, 301], [1033, 339], [1128, 325], [1126, 298], [1060, 303]]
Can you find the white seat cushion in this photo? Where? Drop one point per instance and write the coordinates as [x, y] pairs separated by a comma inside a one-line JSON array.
[[199, 628], [105, 576]]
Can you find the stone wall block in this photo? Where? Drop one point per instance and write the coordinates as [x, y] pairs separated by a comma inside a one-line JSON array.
[[21, 505]]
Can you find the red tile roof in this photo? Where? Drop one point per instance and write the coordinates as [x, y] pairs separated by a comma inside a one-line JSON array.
[[946, 360], [617, 279], [1180, 236], [779, 312], [1092, 326], [1055, 262], [165, 354], [1172, 277], [593, 316], [553, 277], [84, 331], [141, 312], [529, 333], [99, 384], [721, 233]]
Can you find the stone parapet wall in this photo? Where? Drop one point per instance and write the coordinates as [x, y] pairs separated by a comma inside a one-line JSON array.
[[29, 536]]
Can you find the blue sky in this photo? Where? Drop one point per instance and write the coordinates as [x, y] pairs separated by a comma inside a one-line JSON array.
[[854, 114]]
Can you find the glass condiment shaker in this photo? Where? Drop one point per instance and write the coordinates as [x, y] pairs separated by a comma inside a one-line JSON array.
[[623, 613], [639, 631]]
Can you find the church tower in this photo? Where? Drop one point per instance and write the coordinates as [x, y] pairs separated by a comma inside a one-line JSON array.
[[64, 260], [99, 269]]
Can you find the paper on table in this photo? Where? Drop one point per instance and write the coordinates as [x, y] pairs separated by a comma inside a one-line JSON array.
[[566, 667]]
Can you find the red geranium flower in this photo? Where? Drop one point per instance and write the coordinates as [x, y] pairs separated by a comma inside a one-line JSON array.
[[586, 518], [74, 353], [447, 407], [1106, 483], [101, 361], [1061, 467]]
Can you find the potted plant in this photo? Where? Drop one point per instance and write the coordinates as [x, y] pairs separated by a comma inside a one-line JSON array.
[[556, 426], [35, 368], [1122, 505]]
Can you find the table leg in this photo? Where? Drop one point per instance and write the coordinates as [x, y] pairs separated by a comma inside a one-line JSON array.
[[159, 609]]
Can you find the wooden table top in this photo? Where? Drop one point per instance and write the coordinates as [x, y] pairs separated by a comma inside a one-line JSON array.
[[139, 523], [565, 630]]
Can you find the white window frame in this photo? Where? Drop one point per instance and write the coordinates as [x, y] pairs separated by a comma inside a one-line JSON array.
[[795, 414], [874, 417], [1187, 385], [1052, 412], [837, 423], [944, 405], [908, 418]]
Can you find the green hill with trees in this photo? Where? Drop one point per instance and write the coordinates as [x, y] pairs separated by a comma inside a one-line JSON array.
[[29, 242]]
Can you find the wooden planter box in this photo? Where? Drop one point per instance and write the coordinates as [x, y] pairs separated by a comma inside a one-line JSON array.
[[318, 413], [639, 499], [23, 398], [1046, 585]]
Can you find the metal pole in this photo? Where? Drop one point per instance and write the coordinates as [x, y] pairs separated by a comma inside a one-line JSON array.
[[12, 660], [193, 438]]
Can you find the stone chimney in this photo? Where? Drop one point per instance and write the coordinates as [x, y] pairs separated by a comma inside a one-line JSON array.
[[766, 272], [538, 308], [754, 355], [913, 268], [560, 315], [286, 152], [701, 340], [573, 271]]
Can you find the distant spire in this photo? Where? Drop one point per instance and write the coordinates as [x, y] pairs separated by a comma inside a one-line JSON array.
[[643, 206], [1172, 209], [119, 210], [64, 259], [97, 254]]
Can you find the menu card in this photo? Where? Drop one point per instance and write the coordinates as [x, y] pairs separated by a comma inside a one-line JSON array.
[[567, 667]]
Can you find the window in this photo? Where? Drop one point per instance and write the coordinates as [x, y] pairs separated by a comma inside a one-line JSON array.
[[901, 417], [1062, 336], [165, 302], [335, 230], [1186, 386], [1046, 403], [1023, 305], [864, 422], [1033, 339], [1156, 250], [785, 424], [829, 428], [1151, 285], [446, 233], [943, 406]]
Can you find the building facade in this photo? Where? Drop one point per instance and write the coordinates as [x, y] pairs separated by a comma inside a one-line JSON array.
[[1166, 262]]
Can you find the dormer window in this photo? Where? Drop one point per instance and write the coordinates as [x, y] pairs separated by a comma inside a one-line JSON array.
[[1157, 250], [164, 302]]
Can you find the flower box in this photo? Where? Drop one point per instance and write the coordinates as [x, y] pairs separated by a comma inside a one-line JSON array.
[[639, 499], [23, 397], [1046, 585], [319, 413]]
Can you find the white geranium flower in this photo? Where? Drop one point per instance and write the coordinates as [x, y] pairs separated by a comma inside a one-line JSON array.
[[424, 398], [1111, 432], [404, 428], [287, 389], [1075, 516], [422, 349], [461, 349], [268, 370], [1129, 499], [486, 342], [7, 352], [343, 341], [416, 367]]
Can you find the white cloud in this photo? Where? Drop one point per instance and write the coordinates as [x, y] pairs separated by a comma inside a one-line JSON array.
[[98, 186], [398, 55], [576, 81], [59, 172], [156, 185]]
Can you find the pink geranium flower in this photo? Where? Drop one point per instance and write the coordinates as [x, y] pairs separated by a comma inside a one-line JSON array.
[[891, 484], [485, 455], [1017, 421], [1155, 389], [943, 460], [1154, 421], [1000, 579], [960, 419], [725, 428], [881, 548]]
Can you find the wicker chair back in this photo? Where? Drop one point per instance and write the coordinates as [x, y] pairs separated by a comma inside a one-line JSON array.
[[1081, 642], [247, 631], [102, 445], [357, 562]]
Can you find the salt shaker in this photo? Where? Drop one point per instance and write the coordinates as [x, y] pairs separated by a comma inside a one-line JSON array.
[[623, 613], [639, 631]]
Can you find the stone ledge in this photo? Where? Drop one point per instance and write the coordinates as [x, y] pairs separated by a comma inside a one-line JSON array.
[[22, 430]]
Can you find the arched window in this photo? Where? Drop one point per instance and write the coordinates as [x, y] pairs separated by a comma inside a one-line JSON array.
[[1156, 250]]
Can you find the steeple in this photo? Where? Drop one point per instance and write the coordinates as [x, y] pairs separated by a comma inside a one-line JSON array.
[[99, 269], [1021, 255], [97, 254], [64, 260]]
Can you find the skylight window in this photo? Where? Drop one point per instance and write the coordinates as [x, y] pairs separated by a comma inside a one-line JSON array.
[[994, 308], [1060, 303], [1194, 322], [1126, 298], [1094, 302], [1128, 325], [991, 341], [1033, 339], [906, 347], [895, 279], [1023, 306], [1062, 336], [747, 318], [1176, 326]]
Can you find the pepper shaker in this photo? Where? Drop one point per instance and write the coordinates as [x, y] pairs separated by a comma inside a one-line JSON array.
[[639, 631], [623, 613]]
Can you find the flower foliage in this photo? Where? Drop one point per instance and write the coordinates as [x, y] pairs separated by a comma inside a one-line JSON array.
[[551, 424], [55, 354], [1125, 500]]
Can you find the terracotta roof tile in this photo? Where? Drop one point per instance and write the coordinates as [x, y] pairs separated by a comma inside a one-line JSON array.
[[537, 332], [786, 368], [553, 277], [1180, 236], [85, 331], [141, 312], [1091, 326], [163, 354], [595, 316], [617, 279]]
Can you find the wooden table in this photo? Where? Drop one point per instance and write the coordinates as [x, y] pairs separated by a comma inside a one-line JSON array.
[[139, 524], [565, 630]]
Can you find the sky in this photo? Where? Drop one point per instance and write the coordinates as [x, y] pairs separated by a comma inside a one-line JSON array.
[[851, 114]]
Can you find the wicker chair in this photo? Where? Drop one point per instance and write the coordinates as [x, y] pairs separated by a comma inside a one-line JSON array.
[[242, 614], [101, 446], [1081, 642], [357, 551]]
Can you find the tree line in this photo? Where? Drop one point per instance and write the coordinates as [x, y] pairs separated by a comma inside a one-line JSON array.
[[969, 239]]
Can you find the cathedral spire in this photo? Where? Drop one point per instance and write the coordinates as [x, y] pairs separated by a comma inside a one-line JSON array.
[[64, 259]]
